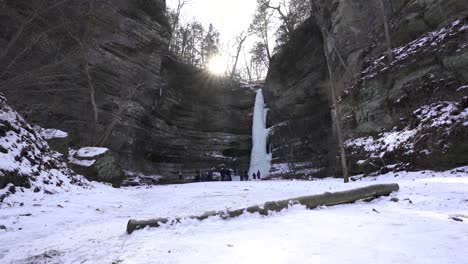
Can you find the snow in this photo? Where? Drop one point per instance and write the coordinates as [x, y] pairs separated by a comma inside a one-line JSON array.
[[443, 114], [386, 142], [280, 168], [73, 160], [88, 226], [50, 133], [260, 159], [304, 168], [26, 155], [90, 152], [462, 88], [428, 43], [216, 154]]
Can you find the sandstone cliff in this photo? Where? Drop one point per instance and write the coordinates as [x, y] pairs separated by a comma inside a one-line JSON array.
[[385, 108], [106, 78]]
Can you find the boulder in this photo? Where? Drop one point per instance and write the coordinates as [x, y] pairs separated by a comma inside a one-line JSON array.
[[97, 164]]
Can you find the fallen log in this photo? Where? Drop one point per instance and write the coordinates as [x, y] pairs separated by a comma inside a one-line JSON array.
[[310, 202]]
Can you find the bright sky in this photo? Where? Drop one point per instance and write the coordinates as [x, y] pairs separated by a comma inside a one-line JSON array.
[[229, 17]]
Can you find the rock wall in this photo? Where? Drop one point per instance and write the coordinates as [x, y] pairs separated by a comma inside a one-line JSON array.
[[160, 115], [297, 94], [376, 99]]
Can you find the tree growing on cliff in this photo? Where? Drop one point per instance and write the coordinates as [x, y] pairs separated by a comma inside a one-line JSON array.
[[258, 61], [194, 44], [210, 45], [23, 38], [82, 35], [240, 40], [388, 40], [261, 26], [291, 14], [174, 17], [42, 54], [319, 13]]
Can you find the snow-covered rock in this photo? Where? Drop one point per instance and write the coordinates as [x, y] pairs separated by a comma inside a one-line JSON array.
[[50, 133], [435, 129], [27, 164], [97, 164], [91, 152], [427, 45]]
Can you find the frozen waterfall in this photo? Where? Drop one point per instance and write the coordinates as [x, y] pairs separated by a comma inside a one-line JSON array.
[[260, 158]]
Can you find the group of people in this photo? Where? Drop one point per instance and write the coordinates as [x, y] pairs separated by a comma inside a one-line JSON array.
[[223, 174], [245, 176]]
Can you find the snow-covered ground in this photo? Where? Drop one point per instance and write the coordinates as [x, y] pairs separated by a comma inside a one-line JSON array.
[[88, 225]]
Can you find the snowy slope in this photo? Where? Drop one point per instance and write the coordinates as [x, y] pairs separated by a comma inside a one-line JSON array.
[[89, 226], [26, 162]]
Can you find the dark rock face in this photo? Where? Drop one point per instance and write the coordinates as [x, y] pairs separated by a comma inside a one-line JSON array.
[[159, 115], [378, 100], [200, 121], [297, 94]]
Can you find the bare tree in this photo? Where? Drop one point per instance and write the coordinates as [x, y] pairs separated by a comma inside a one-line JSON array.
[[284, 12], [85, 42], [174, 16], [117, 116], [240, 39], [319, 15], [291, 13], [258, 60], [34, 33], [261, 26], [387, 31], [28, 21], [248, 70]]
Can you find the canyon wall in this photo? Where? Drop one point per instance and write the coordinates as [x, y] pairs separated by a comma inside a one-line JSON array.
[[104, 75], [407, 114]]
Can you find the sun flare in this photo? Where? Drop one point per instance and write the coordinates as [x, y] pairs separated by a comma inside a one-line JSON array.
[[218, 65]]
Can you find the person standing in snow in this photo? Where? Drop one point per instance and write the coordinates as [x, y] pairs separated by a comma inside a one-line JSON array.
[[258, 174], [254, 176], [221, 171], [197, 176], [228, 174]]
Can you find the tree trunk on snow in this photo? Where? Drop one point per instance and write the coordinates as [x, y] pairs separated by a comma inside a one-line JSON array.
[[310, 202]]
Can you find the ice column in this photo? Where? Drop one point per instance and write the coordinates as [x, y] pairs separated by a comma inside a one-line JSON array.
[[260, 159]]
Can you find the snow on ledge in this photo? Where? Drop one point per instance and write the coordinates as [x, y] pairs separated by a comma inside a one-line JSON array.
[[50, 133], [90, 152]]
